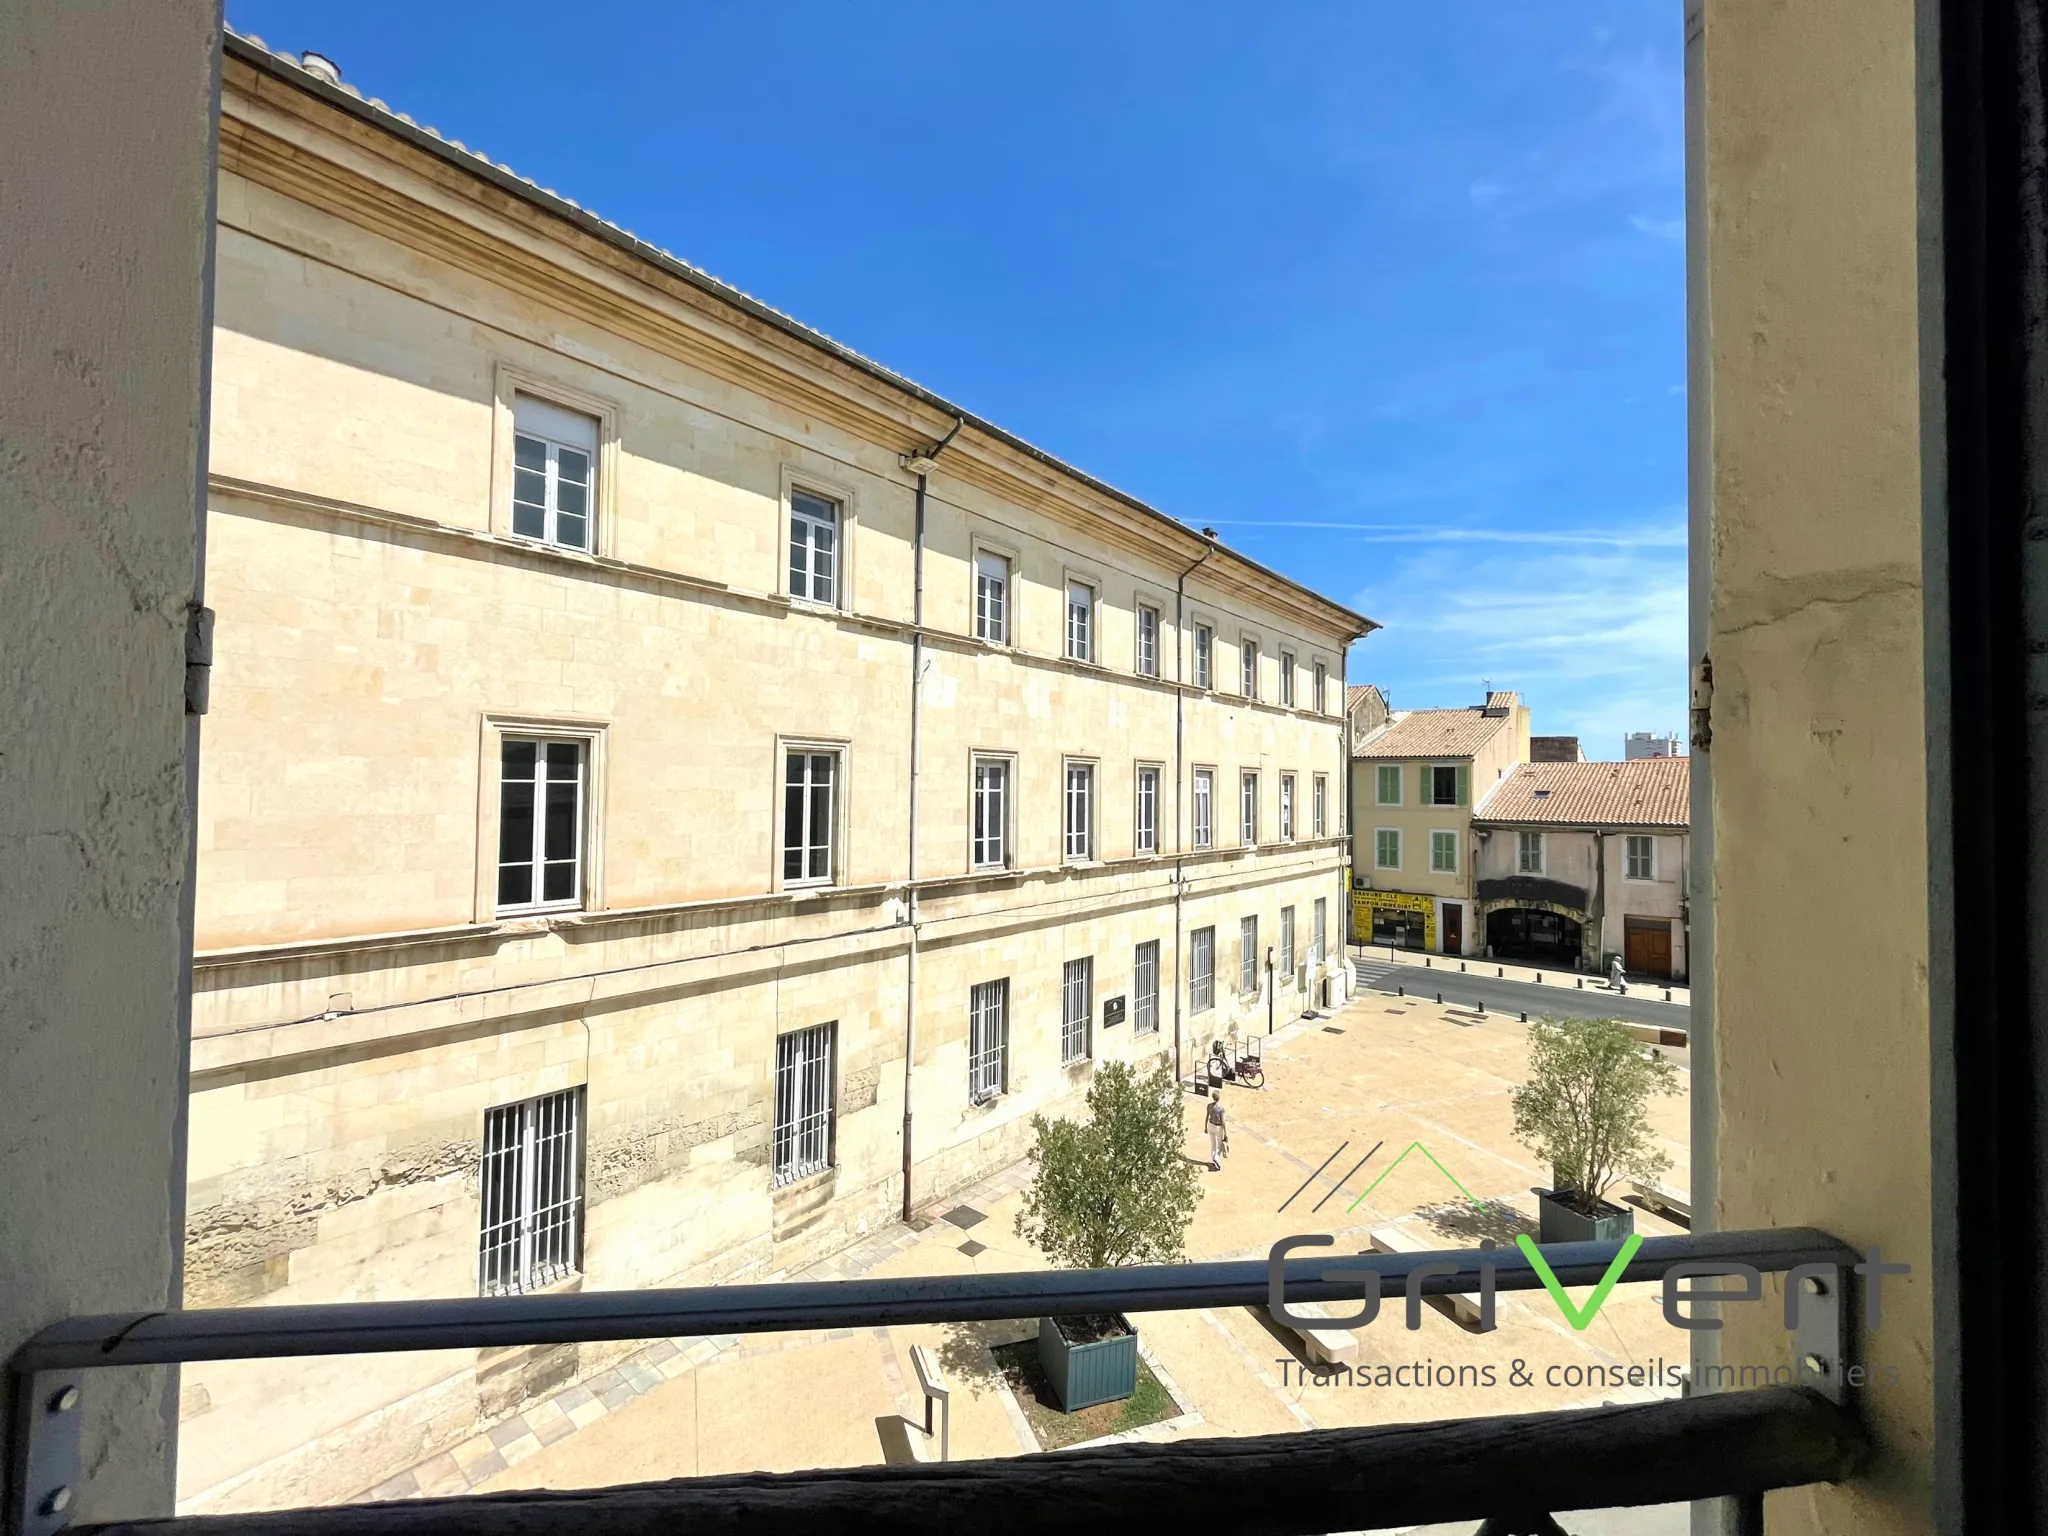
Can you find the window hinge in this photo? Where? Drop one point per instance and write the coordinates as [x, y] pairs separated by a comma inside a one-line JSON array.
[[198, 657], [1703, 704]]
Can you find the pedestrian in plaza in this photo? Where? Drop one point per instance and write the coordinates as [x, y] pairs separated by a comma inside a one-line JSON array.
[[1614, 975], [1219, 1134]]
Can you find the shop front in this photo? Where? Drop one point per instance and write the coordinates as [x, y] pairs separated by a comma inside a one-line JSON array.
[[1398, 919]]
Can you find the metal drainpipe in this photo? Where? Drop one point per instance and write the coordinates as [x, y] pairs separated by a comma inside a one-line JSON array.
[[924, 463], [1182, 643]]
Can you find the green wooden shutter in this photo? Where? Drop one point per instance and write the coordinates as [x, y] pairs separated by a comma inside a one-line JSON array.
[[1464, 783]]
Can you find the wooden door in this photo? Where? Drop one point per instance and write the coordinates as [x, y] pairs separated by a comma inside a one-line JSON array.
[[1646, 945], [1454, 928]]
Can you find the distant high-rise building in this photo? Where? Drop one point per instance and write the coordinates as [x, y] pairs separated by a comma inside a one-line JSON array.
[[1650, 744]]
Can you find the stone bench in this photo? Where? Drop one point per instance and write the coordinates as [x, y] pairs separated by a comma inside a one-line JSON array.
[[1459, 1307], [1331, 1346], [1663, 1198]]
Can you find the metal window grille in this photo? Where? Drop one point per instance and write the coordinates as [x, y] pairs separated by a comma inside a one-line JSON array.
[[1443, 852], [1148, 811], [1251, 669], [1248, 955], [1287, 941], [807, 815], [988, 1040], [1077, 1005], [1641, 858], [1315, 954], [1386, 852], [1080, 810], [1145, 989], [1286, 807], [991, 598], [540, 823], [1202, 970], [1287, 678], [1529, 853], [1148, 641], [532, 1208], [1080, 620], [813, 547], [803, 1103], [1205, 808], [991, 812], [1203, 647], [1319, 806], [1248, 807]]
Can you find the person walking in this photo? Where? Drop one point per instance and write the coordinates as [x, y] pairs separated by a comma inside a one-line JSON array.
[[1614, 975], [1219, 1134]]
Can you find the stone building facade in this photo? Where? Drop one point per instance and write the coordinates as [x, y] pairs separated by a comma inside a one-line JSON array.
[[677, 795]]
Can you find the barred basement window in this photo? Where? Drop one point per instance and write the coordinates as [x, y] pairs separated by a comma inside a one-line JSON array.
[[1077, 1006], [803, 1103], [532, 1226], [988, 1040], [1202, 970], [540, 824], [1145, 989]]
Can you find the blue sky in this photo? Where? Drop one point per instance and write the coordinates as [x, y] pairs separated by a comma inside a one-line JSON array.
[[1390, 294]]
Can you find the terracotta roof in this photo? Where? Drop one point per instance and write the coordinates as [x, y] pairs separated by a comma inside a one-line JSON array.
[[1501, 700], [1648, 792], [1433, 733]]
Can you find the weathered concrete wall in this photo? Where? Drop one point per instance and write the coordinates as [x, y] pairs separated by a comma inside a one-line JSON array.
[[1807, 390], [106, 171]]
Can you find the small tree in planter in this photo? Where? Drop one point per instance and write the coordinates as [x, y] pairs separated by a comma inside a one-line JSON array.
[[1113, 1190], [1585, 1111]]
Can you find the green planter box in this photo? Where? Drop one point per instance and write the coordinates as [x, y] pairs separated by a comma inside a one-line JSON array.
[[1557, 1222], [1102, 1370]]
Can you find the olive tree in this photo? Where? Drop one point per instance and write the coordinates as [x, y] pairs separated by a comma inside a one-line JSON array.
[[1114, 1189], [1585, 1107]]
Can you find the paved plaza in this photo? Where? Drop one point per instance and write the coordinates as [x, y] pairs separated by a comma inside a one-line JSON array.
[[1384, 1071]]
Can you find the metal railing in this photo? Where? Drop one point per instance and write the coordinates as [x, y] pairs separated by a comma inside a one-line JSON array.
[[1735, 1444]]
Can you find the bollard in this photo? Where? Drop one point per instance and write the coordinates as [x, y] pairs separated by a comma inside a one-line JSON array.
[[1482, 1005], [1667, 994], [1539, 975], [1461, 967], [1525, 1018], [1499, 971], [1426, 962], [1439, 997], [1582, 983], [1400, 991]]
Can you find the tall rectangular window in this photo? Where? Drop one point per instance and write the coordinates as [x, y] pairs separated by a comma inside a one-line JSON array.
[[1315, 939], [1205, 649], [1080, 621], [1443, 852], [1443, 784], [1202, 970], [988, 1040], [1248, 664], [1287, 679], [1148, 641], [1388, 783], [1077, 1007], [540, 824], [803, 1103], [1529, 852], [1080, 811], [991, 813], [1248, 809], [1146, 839], [1319, 806], [1642, 858], [554, 454], [1145, 989], [531, 1231], [1247, 955], [1286, 807], [1322, 677], [808, 815], [1386, 848], [1287, 941], [991, 597], [1205, 808], [813, 547]]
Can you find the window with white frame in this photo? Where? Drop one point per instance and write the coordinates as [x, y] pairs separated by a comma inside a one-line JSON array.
[[1388, 783], [1077, 1007], [1287, 941], [554, 473], [1145, 989], [1080, 811], [1321, 679], [1529, 852], [1386, 848], [813, 547], [531, 1227], [991, 813], [1248, 666], [1146, 815], [1248, 808], [991, 597], [1286, 807], [1315, 938], [1247, 955], [1201, 970], [1148, 641], [541, 799], [1443, 784], [1287, 679], [988, 1040], [1642, 858], [1080, 621], [1205, 651], [809, 815], [802, 1144], [1443, 852], [1319, 806], [1205, 808]]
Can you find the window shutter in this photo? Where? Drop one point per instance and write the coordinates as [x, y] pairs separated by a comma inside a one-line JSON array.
[[1464, 783]]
